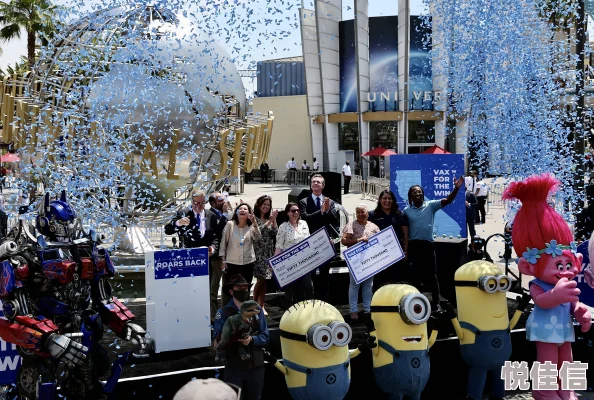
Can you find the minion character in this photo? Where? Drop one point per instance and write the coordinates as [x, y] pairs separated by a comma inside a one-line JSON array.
[[483, 326], [314, 342], [399, 315]]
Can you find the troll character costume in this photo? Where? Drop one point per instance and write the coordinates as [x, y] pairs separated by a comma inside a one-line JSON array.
[[545, 242]]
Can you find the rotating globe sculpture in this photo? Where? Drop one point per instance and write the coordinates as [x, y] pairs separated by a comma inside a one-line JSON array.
[[138, 97]]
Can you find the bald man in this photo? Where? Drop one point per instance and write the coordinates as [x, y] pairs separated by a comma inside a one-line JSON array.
[[206, 389]]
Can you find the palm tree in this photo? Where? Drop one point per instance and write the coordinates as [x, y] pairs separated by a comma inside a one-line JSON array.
[[36, 17]]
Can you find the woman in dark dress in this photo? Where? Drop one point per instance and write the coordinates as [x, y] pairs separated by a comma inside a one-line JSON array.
[[387, 213]]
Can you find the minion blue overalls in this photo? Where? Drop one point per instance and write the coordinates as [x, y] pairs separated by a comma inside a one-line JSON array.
[[406, 376], [327, 383], [489, 352]]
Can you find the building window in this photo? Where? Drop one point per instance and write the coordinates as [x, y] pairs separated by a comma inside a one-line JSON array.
[[384, 133], [348, 136], [421, 136]]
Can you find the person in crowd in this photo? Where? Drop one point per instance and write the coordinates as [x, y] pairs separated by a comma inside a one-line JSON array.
[[207, 389], [316, 165], [290, 233], [264, 168], [471, 204], [305, 166], [217, 206], [292, 171], [237, 243], [354, 232], [475, 249], [386, 214], [320, 211], [346, 173], [482, 191], [196, 227], [471, 180], [421, 253], [247, 374], [264, 248], [228, 208]]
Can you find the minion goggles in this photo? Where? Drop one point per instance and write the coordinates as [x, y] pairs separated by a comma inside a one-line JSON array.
[[414, 309], [322, 337], [488, 283]]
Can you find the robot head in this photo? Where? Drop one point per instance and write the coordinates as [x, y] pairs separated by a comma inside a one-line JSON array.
[[403, 309], [57, 222], [314, 334], [480, 294]]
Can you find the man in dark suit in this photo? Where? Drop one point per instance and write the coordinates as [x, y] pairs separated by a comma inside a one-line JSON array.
[[318, 211], [197, 227]]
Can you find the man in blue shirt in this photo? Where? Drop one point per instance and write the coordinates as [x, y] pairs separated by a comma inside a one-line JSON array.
[[247, 374], [421, 253]]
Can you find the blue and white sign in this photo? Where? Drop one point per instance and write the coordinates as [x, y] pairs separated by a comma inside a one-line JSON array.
[[436, 174], [585, 278], [178, 299], [302, 258], [10, 361], [366, 259]]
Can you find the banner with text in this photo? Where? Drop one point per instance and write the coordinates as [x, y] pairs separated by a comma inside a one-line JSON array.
[[10, 360], [436, 174], [177, 298], [302, 258], [366, 259]]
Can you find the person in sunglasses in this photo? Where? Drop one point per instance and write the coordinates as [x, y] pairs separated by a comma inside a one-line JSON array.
[[289, 234], [196, 227]]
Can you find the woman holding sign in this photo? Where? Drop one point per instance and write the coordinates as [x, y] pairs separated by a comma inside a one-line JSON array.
[[237, 243], [354, 232], [386, 214], [289, 234]]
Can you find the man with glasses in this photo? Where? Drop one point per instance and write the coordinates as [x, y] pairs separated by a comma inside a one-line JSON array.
[[217, 203], [320, 211], [197, 227]]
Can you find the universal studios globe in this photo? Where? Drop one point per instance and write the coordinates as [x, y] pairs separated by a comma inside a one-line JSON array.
[[141, 73]]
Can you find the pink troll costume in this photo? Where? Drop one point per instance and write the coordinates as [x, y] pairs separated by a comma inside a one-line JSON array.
[[549, 253]]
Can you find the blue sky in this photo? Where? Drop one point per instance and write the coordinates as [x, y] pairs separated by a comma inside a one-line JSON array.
[[268, 36]]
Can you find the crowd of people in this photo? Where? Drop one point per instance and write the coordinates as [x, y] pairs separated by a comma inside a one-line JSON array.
[[241, 240]]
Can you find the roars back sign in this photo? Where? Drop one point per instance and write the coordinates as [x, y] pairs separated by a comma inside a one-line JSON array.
[[585, 278], [10, 361]]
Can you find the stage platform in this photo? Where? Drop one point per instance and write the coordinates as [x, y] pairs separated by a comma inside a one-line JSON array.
[[161, 375]]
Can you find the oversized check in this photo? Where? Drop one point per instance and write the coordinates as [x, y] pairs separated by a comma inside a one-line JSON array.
[[367, 259], [302, 258]]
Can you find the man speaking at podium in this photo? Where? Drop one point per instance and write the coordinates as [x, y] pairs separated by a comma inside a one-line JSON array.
[[197, 228]]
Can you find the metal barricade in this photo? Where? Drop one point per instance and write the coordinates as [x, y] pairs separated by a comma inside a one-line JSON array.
[[357, 185]]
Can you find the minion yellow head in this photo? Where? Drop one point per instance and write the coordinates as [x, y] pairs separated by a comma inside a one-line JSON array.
[[480, 294], [314, 334], [400, 313]]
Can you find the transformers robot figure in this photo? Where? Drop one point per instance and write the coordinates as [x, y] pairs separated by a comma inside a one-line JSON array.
[[56, 299]]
